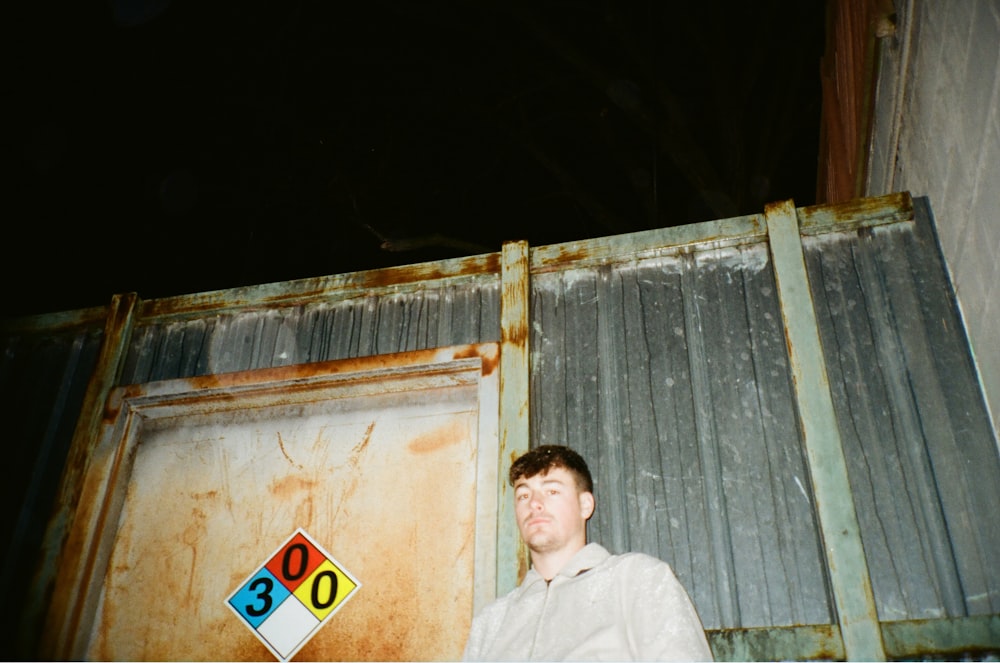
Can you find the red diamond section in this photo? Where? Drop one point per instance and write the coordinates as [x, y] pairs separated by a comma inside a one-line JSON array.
[[295, 561]]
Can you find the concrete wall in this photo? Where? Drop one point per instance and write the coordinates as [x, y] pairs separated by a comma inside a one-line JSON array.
[[937, 134]]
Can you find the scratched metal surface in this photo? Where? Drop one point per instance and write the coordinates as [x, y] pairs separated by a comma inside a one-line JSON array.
[[381, 469]]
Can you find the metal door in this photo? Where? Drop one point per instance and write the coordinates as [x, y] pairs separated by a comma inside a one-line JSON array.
[[197, 481]]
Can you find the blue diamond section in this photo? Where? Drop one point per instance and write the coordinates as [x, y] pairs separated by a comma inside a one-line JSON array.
[[259, 597]]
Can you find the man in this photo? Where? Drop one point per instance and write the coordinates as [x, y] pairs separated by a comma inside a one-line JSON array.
[[578, 601]]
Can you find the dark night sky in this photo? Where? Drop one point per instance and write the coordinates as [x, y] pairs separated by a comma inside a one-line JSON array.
[[168, 148]]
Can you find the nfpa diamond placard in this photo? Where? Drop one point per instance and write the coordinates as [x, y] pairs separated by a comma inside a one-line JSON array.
[[292, 594]]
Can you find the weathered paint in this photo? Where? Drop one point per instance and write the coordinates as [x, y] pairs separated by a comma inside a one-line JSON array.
[[963, 638], [849, 577], [49, 323], [195, 481], [697, 298], [856, 214], [820, 642], [335, 287], [648, 243], [58, 545], [514, 406]]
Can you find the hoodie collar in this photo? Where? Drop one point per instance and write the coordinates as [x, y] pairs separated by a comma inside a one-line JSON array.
[[585, 559]]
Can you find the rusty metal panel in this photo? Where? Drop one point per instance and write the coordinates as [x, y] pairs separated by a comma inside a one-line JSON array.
[[45, 367], [921, 452], [974, 638], [661, 355], [195, 481], [671, 375], [381, 322], [790, 643]]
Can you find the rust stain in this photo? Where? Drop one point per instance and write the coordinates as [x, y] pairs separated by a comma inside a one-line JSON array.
[[170, 577], [320, 287], [359, 449], [123, 310], [453, 432], [296, 379], [350, 487], [568, 255], [80, 547], [514, 455], [893, 206], [490, 363], [284, 452], [410, 607], [415, 601], [489, 353], [291, 485], [515, 334], [248, 649]]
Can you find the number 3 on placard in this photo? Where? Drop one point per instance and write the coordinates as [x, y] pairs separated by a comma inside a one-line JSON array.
[[264, 595]]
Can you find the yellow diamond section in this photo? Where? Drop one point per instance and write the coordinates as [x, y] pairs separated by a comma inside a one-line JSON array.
[[325, 589]]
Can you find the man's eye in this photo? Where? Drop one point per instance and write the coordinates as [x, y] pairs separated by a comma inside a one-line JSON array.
[[521, 497]]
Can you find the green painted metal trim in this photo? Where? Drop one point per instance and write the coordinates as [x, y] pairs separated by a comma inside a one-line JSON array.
[[514, 406], [849, 576], [645, 244], [784, 643], [416, 277], [856, 214], [962, 637], [55, 322], [117, 333], [956, 636]]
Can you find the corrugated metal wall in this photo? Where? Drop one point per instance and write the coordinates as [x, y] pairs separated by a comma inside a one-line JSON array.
[[923, 464], [671, 375], [664, 358], [428, 317], [44, 371]]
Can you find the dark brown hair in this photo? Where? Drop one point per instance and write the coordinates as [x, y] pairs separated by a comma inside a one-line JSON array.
[[543, 458]]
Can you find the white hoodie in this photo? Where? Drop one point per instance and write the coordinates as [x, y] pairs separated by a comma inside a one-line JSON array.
[[600, 607]]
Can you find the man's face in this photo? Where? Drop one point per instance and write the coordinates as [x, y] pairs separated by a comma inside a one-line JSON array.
[[551, 511]]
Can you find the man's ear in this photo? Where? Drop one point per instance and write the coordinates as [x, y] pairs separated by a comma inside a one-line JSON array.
[[587, 504]]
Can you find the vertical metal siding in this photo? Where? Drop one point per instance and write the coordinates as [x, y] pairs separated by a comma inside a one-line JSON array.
[[382, 323], [662, 357], [671, 376], [43, 377], [922, 456]]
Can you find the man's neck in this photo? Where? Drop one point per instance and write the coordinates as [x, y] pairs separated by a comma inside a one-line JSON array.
[[548, 564]]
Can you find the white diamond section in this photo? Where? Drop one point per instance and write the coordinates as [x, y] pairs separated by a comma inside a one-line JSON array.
[[289, 627]]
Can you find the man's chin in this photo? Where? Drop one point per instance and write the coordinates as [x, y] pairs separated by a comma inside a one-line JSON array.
[[541, 543]]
